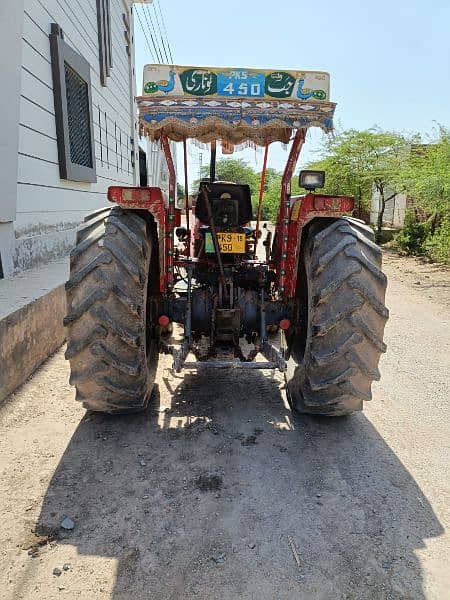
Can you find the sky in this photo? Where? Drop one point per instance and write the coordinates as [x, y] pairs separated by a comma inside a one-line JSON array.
[[389, 60]]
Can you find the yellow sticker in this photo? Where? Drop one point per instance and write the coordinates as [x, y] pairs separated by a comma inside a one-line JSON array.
[[295, 210]]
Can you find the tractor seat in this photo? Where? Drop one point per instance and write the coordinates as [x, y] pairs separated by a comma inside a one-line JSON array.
[[231, 205]]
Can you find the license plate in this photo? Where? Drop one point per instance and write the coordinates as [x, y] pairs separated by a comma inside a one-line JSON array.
[[229, 243]]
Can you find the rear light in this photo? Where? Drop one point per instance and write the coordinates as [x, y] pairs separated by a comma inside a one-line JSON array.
[[163, 321], [135, 197], [285, 324]]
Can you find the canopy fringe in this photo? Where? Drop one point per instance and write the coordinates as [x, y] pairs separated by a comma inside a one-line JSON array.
[[243, 124]]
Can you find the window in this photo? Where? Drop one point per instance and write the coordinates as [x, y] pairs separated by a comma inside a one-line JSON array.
[[73, 110], [104, 39]]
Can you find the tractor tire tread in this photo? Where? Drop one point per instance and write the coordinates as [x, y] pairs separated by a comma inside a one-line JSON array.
[[96, 213], [128, 232], [346, 319], [78, 276], [106, 317]]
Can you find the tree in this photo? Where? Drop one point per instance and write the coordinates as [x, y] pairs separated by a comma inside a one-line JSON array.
[[272, 190], [389, 153], [426, 178], [239, 171], [236, 170], [426, 175], [357, 162]]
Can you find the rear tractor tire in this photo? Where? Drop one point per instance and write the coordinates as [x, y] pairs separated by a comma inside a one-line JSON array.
[[112, 339], [335, 346]]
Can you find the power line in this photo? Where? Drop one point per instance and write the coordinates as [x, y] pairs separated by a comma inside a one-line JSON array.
[[143, 31], [165, 31], [155, 46], [159, 49], [154, 35], [161, 35]]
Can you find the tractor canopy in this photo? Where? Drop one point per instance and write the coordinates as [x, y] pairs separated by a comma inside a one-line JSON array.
[[235, 105]]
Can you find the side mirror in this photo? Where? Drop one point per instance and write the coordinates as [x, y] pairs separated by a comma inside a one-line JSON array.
[[311, 180]]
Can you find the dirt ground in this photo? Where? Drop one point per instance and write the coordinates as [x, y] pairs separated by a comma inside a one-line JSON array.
[[218, 489]]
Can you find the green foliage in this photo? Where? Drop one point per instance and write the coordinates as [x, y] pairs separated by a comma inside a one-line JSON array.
[[416, 237], [437, 246], [426, 175], [236, 170], [239, 171], [412, 237], [426, 178], [356, 162], [271, 199]]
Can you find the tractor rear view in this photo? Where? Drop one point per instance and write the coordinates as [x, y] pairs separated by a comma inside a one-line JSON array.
[[138, 267]]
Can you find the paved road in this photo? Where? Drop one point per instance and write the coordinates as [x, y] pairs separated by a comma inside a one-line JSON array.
[[202, 496]]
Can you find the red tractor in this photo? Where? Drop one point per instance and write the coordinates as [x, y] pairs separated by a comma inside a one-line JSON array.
[[136, 268]]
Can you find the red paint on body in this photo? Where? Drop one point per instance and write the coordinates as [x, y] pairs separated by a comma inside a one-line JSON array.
[[152, 200], [304, 209]]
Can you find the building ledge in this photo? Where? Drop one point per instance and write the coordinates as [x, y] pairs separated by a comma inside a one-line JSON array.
[[32, 307]]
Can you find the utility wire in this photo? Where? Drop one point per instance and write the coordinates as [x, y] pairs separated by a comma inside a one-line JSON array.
[[165, 31], [154, 33], [143, 31], [155, 46], [161, 35]]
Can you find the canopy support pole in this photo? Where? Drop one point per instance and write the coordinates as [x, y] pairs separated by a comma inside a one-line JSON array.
[[186, 195], [212, 164], [169, 239], [282, 227], [261, 194]]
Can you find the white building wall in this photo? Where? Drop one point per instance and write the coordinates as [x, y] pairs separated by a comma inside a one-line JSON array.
[[45, 205], [394, 212], [50, 199], [11, 25], [158, 173]]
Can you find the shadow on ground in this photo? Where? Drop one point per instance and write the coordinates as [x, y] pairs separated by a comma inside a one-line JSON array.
[[198, 500]]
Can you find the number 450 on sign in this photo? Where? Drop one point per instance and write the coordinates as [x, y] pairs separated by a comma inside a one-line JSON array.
[[240, 83]]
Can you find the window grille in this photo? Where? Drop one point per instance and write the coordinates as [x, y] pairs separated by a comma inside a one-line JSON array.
[[77, 96], [73, 110]]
